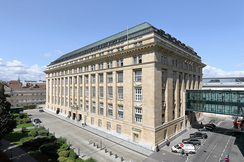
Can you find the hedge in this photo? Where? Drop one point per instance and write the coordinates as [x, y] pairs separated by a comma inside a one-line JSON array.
[[79, 160], [32, 133], [63, 153], [62, 159], [29, 107], [43, 132], [64, 147], [72, 154]]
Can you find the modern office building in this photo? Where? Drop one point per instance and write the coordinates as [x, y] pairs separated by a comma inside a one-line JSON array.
[[223, 83], [131, 84]]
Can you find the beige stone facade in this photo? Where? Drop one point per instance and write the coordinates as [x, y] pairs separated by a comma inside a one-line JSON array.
[[132, 88]]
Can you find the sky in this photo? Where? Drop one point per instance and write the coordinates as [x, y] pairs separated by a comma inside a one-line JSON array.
[[34, 33]]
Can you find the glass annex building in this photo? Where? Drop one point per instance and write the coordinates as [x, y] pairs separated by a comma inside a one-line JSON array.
[[224, 102]]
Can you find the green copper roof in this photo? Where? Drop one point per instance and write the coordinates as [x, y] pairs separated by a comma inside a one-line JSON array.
[[134, 29], [133, 32]]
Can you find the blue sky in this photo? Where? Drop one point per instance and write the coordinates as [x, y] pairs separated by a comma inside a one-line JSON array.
[[33, 33]]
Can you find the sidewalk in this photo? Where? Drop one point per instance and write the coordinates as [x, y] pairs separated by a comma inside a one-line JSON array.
[[15, 153], [112, 138]]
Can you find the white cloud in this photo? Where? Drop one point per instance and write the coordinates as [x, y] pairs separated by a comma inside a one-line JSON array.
[[47, 55], [54, 53], [212, 72], [13, 70], [240, 65]]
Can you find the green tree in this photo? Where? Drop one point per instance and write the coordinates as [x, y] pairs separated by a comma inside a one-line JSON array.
[[7, 122]]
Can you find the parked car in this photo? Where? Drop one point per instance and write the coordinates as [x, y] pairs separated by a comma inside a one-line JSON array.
[[199, 135], [204, 129], [210, 125], [37, 121], [186, 147], [193, 141], [41, 110]]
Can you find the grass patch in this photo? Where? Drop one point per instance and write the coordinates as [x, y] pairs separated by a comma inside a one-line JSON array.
[[25, 125], [14, 137]]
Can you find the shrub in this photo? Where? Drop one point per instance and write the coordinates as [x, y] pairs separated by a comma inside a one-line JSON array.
[[32, 133], [64, 147], [70, 159], [62, 159], [16, 116], [49, 148], [23, 130], [63, 154], [36, 142], [40, 128], [43, 132], [79, 160], [61, 141], [26, 140], [72, 154], [51, 136], [90, 160]]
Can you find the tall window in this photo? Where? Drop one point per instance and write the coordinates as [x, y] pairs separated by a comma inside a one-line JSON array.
[[118, 128], [87, 106], [138, 75], [87, 91], [92, 120], [93, 92], [75, 80], [110, 92], [80, 79], [100, 78], [94, 107], [120, 76], [70, 80], [108, 126], [101, 108], [138, 94], [99, 122], [120, 93], [163, 76], [110, 77], [120, 111], [93, 79], [138, 115], [101, 92], [81, 105], [81, 92], [86, 79], [110, 110], [75, 91]]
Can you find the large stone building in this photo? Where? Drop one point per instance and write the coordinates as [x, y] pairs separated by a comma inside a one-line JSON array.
[[25, 93], [130, 84]]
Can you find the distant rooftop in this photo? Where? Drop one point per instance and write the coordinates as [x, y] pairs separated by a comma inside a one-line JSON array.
[[223, 79], [133, 32]]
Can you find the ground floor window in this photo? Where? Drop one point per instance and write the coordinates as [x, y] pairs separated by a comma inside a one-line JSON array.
[[108, 126], [118, 128], [99, 122]]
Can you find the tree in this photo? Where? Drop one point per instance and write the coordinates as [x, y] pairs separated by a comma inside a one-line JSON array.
[[7, 122]]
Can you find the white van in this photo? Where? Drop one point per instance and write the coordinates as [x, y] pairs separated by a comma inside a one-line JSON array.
[[186, 147]]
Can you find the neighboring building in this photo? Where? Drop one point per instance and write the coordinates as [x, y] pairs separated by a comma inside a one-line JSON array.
[[25, 93], [224, 83], [130, 84]]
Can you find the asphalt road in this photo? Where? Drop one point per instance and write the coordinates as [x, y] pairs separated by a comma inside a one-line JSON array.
[[219, 143]]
